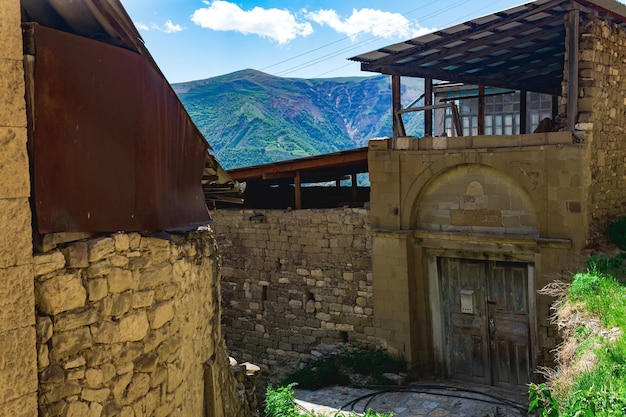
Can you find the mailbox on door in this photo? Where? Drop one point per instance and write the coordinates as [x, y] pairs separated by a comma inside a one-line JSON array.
[[467, 301]]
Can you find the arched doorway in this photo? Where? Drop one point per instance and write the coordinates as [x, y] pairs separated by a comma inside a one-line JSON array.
[[481, 274]]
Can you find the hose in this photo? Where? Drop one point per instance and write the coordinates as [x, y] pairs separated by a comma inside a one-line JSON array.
[[432, 389]]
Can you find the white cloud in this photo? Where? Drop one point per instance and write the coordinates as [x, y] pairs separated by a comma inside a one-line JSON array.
[[276, 24], [172, 28], [168, 27], [375, 22], [142, 26]]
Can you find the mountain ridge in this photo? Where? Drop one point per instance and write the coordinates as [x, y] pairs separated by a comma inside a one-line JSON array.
[[250, 117]]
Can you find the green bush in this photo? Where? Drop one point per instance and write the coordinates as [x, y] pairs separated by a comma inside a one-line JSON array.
[[616, 233], [280, 402], [335, 369]]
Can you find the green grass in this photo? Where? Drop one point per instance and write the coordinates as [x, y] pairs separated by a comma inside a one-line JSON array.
[[600, 390], [602, 295], [336, 369]]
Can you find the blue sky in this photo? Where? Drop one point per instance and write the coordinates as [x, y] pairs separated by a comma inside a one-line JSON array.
[[195, 39]]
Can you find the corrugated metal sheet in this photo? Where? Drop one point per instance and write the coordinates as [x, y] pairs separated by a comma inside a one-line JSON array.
[[113, 148], [522, 47]]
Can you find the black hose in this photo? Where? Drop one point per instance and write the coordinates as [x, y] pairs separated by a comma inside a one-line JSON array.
[[432, 389]]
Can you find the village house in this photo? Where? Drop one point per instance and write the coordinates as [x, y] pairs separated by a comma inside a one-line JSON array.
[[109, 290], [465, 224]]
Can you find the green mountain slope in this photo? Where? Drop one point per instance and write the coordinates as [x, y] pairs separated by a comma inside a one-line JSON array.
[[251, 118]]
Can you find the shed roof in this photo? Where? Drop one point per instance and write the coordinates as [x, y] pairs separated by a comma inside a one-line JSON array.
[[318, 168], [522, 47], [107, 22]]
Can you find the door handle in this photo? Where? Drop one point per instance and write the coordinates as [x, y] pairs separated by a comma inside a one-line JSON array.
[[492, 332]]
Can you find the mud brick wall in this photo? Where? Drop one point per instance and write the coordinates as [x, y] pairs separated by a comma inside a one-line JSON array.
[[602, 114], [18, 368], [292, 280], [129, 326]]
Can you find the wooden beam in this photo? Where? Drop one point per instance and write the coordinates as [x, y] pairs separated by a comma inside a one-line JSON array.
[[455, 113], [481, 109], [523, 111], [428, 101], [573, 34], [396, 106], [544, 84], [298, 190]]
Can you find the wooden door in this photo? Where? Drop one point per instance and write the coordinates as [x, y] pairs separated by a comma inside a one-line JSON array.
[[485, 318], [508, 310]]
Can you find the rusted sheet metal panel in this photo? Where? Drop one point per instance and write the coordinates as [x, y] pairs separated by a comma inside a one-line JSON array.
[[113, 148]]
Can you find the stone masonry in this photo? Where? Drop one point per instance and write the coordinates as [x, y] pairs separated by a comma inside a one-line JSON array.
[[128, 326], [18, 373], [292, 280], [602, 114]]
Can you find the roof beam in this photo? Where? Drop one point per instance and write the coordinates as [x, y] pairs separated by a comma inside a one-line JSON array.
[[540, 86]]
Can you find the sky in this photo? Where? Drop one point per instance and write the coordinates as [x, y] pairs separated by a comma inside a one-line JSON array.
[[195, 39]]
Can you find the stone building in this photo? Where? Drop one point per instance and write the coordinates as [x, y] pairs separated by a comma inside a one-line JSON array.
[[463, 229], [95, 323], [466, 229]]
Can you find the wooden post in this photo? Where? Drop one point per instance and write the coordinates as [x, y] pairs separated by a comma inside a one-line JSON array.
[[428, 100], [481, 109], [297, 182], [355, 194], [523, 111], [572, 68], [396, 106]]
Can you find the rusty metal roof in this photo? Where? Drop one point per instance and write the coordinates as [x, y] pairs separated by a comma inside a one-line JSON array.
[[112, 146], [102, 20], [521, 48]]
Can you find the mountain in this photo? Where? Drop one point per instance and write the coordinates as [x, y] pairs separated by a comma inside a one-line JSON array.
[[251, 118]]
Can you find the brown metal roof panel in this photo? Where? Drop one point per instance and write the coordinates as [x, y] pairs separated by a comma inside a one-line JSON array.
[[113, 148]]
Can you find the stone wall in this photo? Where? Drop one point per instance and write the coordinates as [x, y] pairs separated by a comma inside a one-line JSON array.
[[602, 114], [128, 325], [292, 280], [18, 373]]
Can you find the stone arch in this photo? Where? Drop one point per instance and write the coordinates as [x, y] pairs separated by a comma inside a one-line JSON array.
[[474, 198]]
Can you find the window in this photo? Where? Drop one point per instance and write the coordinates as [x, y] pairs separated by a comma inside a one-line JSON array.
[[538, 107], [502, 114]]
